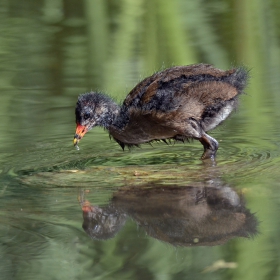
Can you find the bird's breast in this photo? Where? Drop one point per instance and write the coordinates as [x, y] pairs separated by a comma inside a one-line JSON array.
[[142, 129]]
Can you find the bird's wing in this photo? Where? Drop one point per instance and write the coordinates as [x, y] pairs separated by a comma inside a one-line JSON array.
[[192, 89]]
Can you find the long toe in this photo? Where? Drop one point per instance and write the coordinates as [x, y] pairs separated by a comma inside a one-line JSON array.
[[208, 154], [210, 146]]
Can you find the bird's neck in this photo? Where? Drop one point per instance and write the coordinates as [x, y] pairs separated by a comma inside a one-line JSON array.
[[112, 112]]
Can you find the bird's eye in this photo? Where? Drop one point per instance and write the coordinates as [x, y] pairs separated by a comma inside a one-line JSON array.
[[86, 116]]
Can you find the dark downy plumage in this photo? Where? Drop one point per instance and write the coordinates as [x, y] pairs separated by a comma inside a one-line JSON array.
[[179, 103]]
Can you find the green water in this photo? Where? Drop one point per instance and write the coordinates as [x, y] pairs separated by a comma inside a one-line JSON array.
[[153, 212]]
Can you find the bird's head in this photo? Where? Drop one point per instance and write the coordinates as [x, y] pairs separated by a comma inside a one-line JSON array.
[[93, 109]]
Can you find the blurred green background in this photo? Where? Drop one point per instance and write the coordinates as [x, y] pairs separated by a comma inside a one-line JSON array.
[[52, 50]]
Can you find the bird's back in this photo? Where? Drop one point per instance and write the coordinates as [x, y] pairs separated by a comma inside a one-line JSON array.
[[193, 91]]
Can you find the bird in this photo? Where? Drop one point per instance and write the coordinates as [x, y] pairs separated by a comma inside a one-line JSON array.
[[179, 103]]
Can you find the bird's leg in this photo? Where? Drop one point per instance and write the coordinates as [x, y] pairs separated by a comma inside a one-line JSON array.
[[210, 146]]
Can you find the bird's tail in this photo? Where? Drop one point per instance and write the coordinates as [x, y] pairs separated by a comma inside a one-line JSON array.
[[239, 78]]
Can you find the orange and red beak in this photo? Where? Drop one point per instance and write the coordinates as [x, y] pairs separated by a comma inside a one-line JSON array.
[[81, 130]]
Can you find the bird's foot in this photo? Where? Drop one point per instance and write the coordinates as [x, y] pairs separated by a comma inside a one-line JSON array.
[[208, 154], [210, 147]]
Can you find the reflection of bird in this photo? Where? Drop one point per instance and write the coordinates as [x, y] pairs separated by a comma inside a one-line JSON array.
[[178, 103], [198, 215]]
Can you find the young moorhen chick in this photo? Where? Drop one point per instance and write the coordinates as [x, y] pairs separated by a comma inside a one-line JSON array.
[[178, 103]]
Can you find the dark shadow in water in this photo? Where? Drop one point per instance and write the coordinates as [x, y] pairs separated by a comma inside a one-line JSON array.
[[199, 215]]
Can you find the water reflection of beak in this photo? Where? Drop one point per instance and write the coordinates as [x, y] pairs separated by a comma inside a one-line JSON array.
[[81, 130]]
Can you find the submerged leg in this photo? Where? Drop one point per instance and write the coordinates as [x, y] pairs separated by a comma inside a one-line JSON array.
[[210, 146]]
